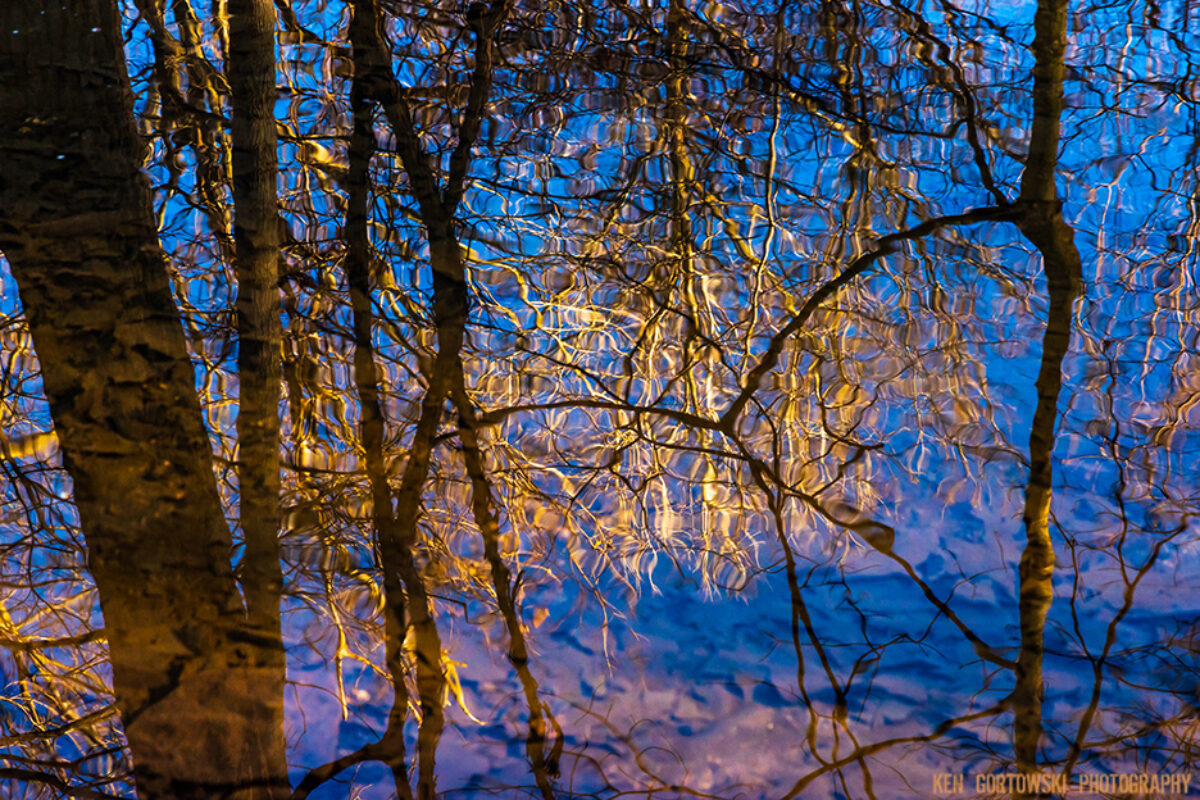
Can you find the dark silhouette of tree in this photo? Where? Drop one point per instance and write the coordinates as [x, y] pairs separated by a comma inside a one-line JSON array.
[[1043, 225]]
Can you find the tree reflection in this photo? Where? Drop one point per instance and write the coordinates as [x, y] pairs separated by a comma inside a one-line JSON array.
[[630, 399], [1043, 225], [80, 238]]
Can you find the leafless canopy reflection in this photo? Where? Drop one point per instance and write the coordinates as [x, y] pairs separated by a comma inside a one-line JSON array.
[[672, 399]]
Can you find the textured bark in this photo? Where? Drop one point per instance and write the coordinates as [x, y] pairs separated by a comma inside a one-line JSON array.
[[256, 223], [77, 227], [256, 239]]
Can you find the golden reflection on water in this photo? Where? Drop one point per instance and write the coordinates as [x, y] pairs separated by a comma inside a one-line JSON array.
[[685, 399]]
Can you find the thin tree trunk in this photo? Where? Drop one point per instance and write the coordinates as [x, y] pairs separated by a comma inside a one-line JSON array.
[[1042, 224], [256, 238], [483, 506], [256, 223], [357, 264], [398, 530]]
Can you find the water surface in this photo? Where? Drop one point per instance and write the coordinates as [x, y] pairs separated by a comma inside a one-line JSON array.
[[602, 400]]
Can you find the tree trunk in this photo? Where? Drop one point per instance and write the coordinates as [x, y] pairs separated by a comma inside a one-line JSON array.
[[77, 226], [1043, 225], [251, 72]]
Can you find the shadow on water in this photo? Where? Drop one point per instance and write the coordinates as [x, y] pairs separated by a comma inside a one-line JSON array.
[[596, 400]]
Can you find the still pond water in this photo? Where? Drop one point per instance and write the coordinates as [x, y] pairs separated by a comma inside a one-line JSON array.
[[663, 398]]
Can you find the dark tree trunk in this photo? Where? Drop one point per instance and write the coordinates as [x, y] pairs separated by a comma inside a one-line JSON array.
[[256, 239], [1043, 225], [256, 222], [77, 226]]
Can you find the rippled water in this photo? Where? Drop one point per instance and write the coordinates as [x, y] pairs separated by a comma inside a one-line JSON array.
[[676, 399]]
